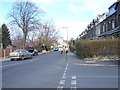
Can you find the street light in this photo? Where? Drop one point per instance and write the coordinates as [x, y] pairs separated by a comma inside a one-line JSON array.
[[67, 43], [67, 34]]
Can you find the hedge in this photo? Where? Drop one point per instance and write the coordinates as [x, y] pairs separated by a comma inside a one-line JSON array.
[[90, 48]]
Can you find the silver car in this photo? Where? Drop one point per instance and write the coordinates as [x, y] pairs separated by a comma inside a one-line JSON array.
[[20, 54]]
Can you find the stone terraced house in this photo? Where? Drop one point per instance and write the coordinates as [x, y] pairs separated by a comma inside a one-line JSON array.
[[106, 26]]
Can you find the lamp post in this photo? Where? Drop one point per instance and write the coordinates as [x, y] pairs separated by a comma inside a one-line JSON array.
[[67, 35], [67, 43]]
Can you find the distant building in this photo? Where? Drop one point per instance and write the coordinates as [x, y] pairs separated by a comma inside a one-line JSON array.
[[106, 26]]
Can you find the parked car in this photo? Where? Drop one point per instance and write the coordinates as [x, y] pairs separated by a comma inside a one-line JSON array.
[[34, 52], [60, 48], [20, 54], [44, 51], [56, 49]]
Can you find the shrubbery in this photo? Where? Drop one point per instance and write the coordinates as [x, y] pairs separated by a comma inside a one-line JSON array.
[[90, 48]]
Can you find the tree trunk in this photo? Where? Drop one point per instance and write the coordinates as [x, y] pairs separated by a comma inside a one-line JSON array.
[[24, 40]]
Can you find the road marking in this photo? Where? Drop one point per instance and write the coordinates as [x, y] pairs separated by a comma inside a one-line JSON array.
[[64, 74], [62, 82], [73, 77], [67, 65], [73, 82], [10, 65], [66, 68], [65, 71], [63, 77], [59, 87], [94, 64], [90, 61], [95, 76], [73, 88]]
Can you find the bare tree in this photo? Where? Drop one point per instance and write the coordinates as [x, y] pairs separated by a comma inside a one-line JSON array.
[[48, 35], [26, 16], [17, 40]]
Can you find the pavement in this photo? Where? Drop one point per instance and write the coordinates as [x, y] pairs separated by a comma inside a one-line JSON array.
[[7, 58], [53, 70]]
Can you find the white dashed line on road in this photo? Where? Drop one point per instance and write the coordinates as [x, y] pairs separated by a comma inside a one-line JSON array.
[[67, 65], [64, 74], [60, 88], [73, 82], [73, 77], [65, 71], [63, 77], [66, 68], [62, 82], [73, 88]]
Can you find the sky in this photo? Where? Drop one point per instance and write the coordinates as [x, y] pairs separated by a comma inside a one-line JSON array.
[[73, 14]]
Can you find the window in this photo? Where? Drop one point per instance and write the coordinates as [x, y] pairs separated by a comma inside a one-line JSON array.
[[113, 23], [103, 27], [112, 9], [106, 27]]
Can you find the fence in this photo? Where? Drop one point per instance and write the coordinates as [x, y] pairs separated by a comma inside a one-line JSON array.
[[5, 52]]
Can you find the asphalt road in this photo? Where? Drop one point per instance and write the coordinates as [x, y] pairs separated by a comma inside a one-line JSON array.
[[53, 70]]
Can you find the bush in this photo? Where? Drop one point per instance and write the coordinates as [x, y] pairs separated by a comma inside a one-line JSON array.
[[89, 48]]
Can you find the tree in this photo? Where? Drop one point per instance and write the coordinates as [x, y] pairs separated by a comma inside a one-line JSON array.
[[5, 36], [17, 40], [72, 45], [48, 35], [26, 16], [0, 38]]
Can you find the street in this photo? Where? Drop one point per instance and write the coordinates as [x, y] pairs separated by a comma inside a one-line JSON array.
[[53, 70]]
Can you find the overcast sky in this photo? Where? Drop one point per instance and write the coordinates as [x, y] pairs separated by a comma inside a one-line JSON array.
[[74, 14]]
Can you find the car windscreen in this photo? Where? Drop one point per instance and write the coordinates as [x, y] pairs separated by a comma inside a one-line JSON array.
[[31, 51], [17, 51]]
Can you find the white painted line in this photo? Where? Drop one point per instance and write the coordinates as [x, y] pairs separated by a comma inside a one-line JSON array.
[[90, 61], [73, 77], [63, 77], [96, 76], [73, 88], [66, 68], [65, 71], [59, 87], [95, 65], [64, 74], [67, 65], [73, 82], [62, 82], [9, 65]]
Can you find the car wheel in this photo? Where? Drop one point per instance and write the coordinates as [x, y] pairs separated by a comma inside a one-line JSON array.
[[30, 57], [22, 58], [12, 59]]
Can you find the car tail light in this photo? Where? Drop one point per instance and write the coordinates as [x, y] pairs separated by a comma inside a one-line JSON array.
[[17, 53]]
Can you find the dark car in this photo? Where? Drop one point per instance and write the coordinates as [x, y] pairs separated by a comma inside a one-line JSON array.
[[34, 52]]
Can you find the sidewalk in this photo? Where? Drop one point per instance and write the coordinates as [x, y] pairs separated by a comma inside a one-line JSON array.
[[7, 58], [4, 58]]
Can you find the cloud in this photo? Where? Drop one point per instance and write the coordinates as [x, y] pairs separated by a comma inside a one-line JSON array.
[[74, 28], [73, 7]]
